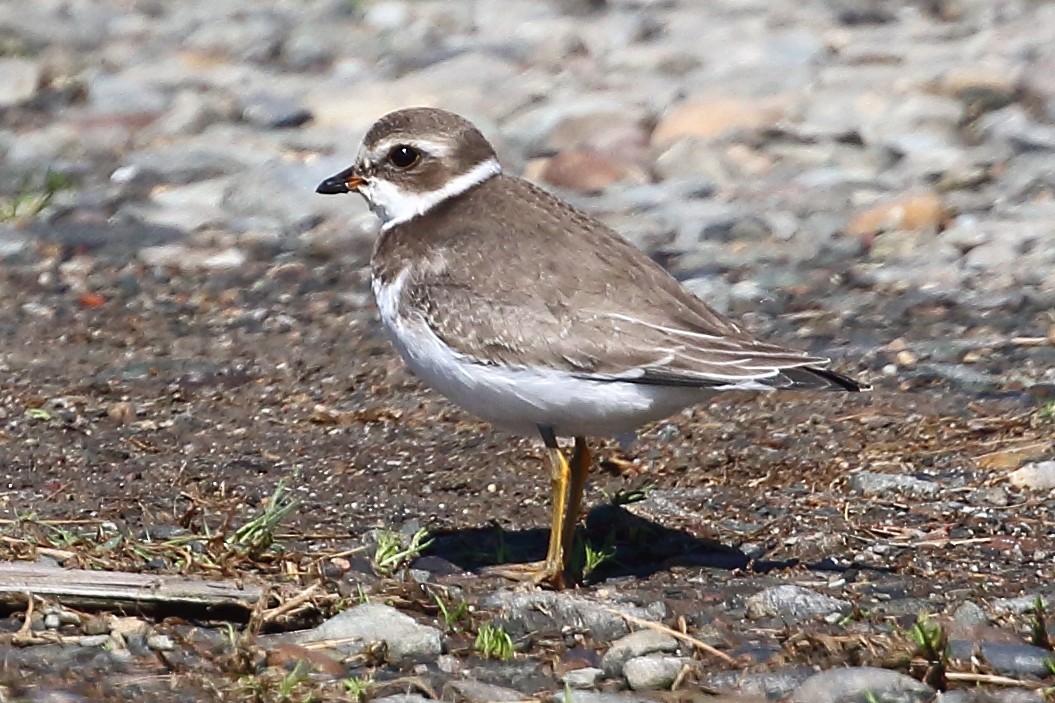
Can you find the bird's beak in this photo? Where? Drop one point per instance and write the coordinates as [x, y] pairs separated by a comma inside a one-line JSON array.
[[344, 182]]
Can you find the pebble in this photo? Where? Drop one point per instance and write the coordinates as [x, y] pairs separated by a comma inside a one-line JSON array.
[[1018, 660], [923, 212], [1038, 476], [970, 613], [274, 111], [1021, 604], [773, 684], [653, 673], [587, 677], [711, 119], [793, 604], [869, 483], [575, 695], [523, 613], [160, 643], [858, 683], [405, 638], [479, 692], [19, 79], [636, 644]]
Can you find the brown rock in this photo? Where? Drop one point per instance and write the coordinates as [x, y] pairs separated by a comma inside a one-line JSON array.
[[587, 171], [601, 130], [289, 655], [923, 212], [711, 119], [1013, 456], [982, 87]]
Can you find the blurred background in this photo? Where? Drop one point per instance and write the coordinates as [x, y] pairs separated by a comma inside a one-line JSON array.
[[745, 144]]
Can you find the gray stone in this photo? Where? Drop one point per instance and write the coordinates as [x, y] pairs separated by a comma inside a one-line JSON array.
[[970, 613], [793, 603], [94, 640], [653, 673], [179, 256], [517, 674], [586, 677], [989, 495], [860, 684], [522, 613], [19, 79], [772, 684], [711, 290], [636, 644], [1039, 476], [958, 375], [372, 622], [120, 94], [1021, 604], [403, 698], [160, 643], [1018, 660], [479, 692], [581, 696], [190, 112], [869, 483], [1015, 126], [274, 111], [11, 241]]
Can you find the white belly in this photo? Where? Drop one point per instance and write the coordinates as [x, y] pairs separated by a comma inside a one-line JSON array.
[[522, 399]]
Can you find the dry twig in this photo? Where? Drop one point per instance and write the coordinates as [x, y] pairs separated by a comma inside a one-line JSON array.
[[659, 627]]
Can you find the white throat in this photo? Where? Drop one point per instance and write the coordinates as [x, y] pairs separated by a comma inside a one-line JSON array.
[[395, 206]]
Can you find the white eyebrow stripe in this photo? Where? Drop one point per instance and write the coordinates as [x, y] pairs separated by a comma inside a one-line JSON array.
[[432, 147]]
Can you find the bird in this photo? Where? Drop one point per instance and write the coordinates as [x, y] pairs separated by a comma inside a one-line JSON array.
[[535, 316]]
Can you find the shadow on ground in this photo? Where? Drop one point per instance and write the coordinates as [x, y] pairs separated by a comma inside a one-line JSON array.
[[620, 544]]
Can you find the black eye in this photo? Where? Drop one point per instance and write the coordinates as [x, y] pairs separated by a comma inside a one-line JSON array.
[[404, 156]]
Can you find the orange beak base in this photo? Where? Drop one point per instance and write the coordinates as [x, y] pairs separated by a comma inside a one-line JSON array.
[[346, 181]]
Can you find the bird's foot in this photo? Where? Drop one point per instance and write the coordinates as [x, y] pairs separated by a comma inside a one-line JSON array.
[[540, 573]]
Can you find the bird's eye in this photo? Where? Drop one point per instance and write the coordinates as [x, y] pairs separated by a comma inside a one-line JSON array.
[[404, 156]]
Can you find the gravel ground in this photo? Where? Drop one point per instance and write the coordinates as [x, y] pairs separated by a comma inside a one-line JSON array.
[[188, 344]]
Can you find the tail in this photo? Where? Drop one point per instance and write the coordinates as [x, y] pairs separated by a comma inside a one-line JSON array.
[[813, 377]]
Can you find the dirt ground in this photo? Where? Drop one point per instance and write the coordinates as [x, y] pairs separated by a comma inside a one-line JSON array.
[[144, 402]]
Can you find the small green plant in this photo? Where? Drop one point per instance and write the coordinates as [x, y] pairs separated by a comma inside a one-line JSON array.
[[635, 496], [257, 535], [451, 616], [595, 557], [502, 554], [31, 199], [289, 683], [357, 687], [1038, 625], [391, 553], [932, 644], [492, 642], [1047, 411]]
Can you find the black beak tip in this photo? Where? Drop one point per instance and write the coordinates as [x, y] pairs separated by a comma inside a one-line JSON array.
[[334, 185]]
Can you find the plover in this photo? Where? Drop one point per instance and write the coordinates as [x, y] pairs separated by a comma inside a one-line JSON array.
[[534, 315]]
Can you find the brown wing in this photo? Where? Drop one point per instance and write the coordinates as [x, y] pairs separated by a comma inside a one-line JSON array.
[[572, 295]]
